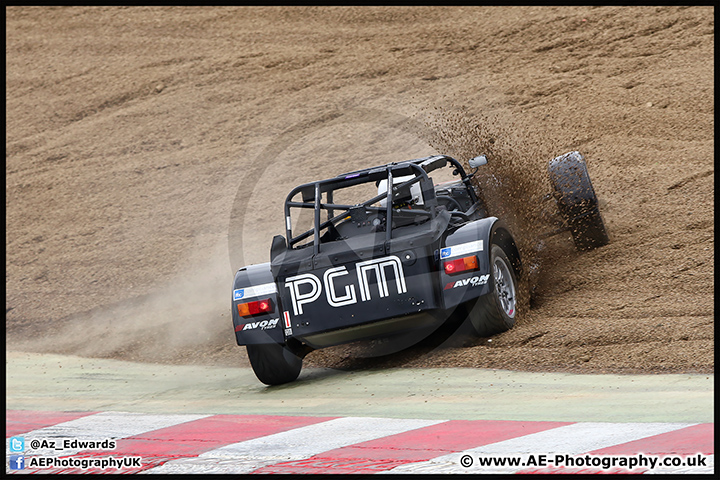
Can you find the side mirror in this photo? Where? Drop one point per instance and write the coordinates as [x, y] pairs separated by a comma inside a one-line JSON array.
[[478, 161]]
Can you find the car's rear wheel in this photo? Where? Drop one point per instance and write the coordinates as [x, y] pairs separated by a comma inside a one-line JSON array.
[[274, 364], [576, 201], [495, 312]]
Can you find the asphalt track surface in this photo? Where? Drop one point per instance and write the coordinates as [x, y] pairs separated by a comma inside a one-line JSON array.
[[190, 419]]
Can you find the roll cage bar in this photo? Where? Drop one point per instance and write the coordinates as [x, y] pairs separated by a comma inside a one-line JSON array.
[[312, 194]]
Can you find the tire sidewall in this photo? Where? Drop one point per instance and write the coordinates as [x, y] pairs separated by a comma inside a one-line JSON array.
[[486, 314], [577, 202], [495, 252], [274, 364], [572, 186]]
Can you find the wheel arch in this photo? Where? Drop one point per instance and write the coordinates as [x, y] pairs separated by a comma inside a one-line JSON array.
[[500, 235], [255, 282], [486, 231]]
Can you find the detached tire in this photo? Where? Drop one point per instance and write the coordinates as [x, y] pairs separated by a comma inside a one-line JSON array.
[[274, 364], [576, 200], [495, 312]]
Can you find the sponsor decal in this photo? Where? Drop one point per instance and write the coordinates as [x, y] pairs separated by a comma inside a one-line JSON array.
[[462, 249], [469, 282], [379, 267], [254, 291], [332, 297], [286, 316], [299, 299], [263, 325], [307, 288], [288, 326]]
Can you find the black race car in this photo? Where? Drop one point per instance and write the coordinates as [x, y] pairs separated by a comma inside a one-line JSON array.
[[386, 252]]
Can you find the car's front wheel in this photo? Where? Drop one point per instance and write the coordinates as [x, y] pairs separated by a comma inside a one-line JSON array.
[[274, 364], [576, 200], [495, 312]]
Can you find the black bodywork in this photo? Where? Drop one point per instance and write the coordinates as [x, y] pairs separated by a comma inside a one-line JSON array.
[[404, 259], [350, 277]]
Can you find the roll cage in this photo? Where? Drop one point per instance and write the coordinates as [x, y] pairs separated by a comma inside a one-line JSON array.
[[312, 194]]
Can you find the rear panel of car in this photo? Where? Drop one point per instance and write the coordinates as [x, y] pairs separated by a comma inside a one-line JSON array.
[[359, 280]]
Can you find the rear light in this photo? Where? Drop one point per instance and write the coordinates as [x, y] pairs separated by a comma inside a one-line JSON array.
[[461, 265], [255, 308]]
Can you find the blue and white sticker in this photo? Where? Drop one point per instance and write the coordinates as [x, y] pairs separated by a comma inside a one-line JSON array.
[[254, 291], [462, 249]]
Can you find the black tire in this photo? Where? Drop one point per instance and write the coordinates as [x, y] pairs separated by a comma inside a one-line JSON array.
[[495, 312], [576, 201], [274, 364]]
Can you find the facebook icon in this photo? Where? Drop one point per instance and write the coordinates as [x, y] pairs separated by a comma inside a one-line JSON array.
[[17, 462]]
